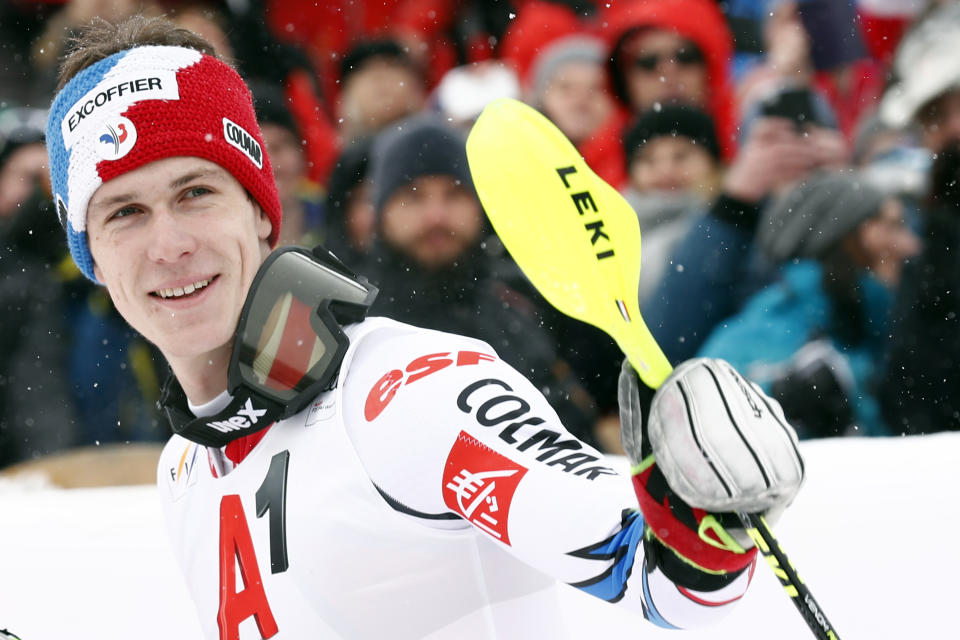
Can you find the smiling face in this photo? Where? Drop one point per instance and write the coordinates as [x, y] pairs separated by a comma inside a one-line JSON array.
[[177, 243]]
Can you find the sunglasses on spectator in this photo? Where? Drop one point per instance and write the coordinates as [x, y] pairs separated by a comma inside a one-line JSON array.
[[685, 57]]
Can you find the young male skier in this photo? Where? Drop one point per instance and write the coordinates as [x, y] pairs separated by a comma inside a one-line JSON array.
[[336, 476]]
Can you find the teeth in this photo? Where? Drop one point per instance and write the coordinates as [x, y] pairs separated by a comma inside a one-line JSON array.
[[178, 291]]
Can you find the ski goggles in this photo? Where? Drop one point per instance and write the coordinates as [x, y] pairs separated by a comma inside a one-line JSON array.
[[289, 339], [288, 346]]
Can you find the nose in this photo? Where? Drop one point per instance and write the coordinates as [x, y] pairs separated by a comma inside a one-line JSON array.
[[664, 169], [663, 173], [435, 210], [170, 237], [666, 63]]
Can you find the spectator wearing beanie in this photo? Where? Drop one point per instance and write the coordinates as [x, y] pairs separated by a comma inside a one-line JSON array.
[[428, 259], [673, 149], [673, 159], [379, 84], [568, 84], [431, 162], [815, 339]]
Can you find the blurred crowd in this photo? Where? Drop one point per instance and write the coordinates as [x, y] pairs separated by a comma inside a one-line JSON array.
[[793, 165]]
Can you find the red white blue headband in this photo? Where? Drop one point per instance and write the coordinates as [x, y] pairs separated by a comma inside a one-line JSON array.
[[146, 104]]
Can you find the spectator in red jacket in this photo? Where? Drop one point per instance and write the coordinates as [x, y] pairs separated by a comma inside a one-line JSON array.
[[665, 51]]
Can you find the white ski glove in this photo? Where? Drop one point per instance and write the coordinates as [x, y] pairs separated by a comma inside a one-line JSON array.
[[713, 444]]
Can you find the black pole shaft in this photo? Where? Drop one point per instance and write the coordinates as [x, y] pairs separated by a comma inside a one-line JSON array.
[[769, 547]]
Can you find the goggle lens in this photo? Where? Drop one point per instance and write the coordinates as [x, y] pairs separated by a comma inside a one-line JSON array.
[[285, 344]]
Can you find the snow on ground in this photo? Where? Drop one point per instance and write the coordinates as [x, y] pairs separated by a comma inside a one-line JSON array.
[[873, 534]]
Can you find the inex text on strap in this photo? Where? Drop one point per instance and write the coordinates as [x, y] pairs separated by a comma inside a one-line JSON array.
[[146, 104]]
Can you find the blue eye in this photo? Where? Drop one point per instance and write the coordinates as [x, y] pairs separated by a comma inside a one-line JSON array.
[[195, 192], [123, 212]]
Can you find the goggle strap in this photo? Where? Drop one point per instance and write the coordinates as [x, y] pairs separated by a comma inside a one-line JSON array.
[[245, 414], [348, 312], [329, 259]]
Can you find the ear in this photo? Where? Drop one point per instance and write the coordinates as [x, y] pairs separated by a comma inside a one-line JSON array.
[[97, 273], [264, 226]]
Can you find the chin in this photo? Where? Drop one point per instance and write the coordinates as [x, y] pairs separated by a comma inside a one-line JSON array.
[[194, 342]]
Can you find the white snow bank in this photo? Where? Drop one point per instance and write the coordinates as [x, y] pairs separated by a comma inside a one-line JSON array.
[[873, 534]]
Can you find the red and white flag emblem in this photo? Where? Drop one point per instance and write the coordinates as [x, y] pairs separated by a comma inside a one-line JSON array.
[[479, 483]]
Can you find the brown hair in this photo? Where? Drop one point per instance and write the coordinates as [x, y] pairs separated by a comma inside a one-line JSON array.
[[101, 39]]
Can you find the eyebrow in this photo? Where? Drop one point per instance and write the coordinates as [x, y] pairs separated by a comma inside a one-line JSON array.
[[193, 175], [174, 184]]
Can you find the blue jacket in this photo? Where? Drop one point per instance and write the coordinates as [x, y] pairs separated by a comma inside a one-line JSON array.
[[778, 320], [712, 272]]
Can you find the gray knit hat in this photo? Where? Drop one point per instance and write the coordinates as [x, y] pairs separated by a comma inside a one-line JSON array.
[[574, 48], [420, 146], [816, 214]]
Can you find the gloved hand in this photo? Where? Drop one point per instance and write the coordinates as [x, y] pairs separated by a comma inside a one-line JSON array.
[[814, 389], [713, 444]]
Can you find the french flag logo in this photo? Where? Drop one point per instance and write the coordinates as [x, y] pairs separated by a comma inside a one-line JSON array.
[[116, 138], [113, 137]]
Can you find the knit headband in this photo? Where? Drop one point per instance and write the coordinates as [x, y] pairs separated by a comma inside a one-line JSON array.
[[146, 104]]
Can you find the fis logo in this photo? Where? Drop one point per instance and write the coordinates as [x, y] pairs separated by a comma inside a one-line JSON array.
[[116, 138], [182, 475], [246, 417]]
